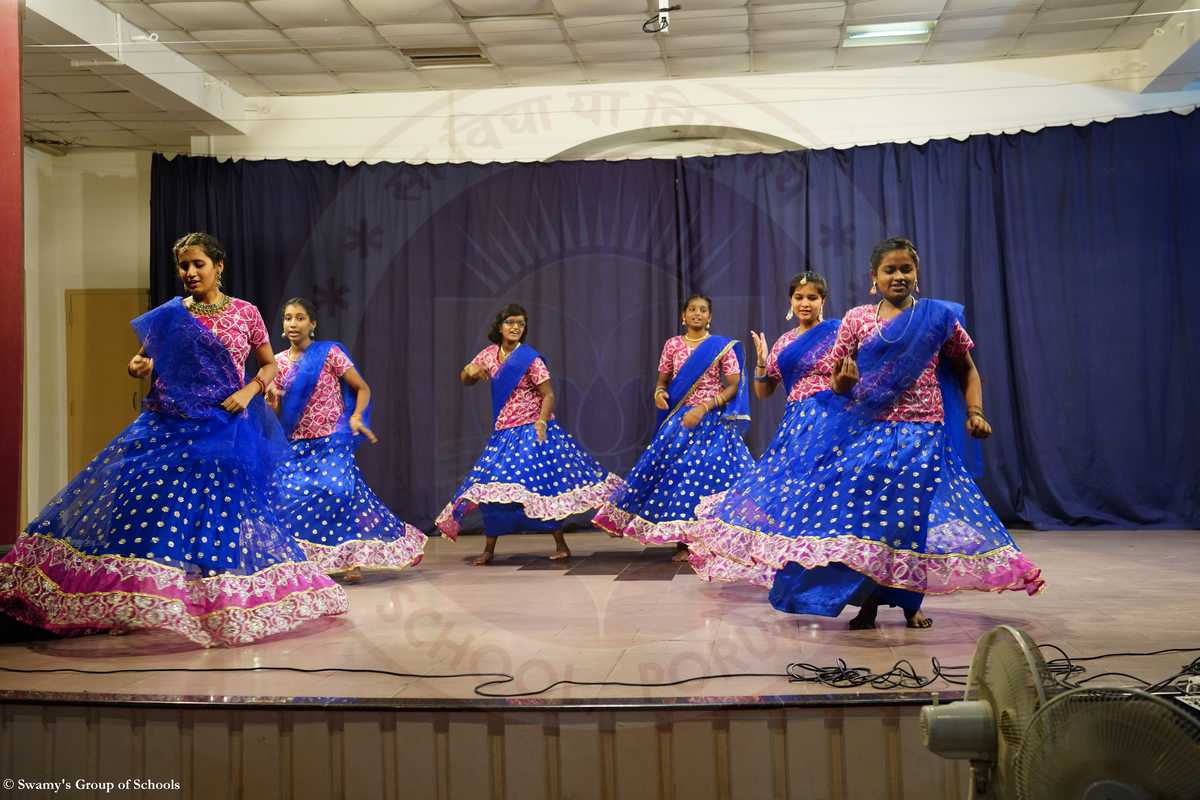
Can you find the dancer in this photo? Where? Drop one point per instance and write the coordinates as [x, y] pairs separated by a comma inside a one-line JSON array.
[[888, 511], [324, 405], [799, 360], [171, 526], [703, 410], [531, 474]]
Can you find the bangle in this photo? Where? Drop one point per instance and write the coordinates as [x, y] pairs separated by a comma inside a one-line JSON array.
[[760, 366], [541, 422], [976, 413], [763, 378], [262, 385]]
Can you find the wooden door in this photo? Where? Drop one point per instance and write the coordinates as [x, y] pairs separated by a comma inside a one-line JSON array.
[[101, 397]]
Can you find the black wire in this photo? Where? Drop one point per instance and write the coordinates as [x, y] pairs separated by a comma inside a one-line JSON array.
[[902, 675]]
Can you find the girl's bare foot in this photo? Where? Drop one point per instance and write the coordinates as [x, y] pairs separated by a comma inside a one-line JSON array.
[[560, 554], [353, 576], [681, 553], [483, 558], [865, 620], [917, 619]]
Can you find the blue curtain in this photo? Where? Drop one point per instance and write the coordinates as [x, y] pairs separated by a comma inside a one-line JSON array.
[[1067, 246]]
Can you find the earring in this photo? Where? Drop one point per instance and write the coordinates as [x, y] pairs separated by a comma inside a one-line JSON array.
[[791, 314], [873, 289], [220, 283], [708, 326], [916, 289]]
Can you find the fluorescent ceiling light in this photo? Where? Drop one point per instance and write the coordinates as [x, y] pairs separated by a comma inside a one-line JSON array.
[[888, 33]]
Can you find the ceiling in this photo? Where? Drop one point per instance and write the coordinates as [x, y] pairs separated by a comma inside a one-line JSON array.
[[287, 47], [307, 47]]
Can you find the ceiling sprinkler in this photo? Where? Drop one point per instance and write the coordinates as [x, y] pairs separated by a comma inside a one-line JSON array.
[[660, 22]]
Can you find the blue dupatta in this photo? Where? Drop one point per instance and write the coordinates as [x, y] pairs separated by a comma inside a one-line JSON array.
[[509, 375], [705, 354], [304, 380], [193, 374], [799, 357], [889, 366]]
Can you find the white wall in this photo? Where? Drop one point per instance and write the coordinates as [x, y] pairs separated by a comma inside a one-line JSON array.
[[87, 226], [831, 108]]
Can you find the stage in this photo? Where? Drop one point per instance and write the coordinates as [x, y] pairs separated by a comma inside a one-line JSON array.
[[614, 612]]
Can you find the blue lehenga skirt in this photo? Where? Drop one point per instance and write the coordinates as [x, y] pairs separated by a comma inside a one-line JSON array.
[[172, 527], [657, 502], [338, 521], [526, 485], [891, 515]]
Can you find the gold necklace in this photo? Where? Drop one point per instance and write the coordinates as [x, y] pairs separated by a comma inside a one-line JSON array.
[[502, 356], [687, 338], [207, 309]]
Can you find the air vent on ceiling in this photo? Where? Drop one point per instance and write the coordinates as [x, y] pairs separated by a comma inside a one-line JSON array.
[[445, 56]]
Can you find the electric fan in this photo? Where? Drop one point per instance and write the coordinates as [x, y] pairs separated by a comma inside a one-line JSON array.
[[1007, 684], [1109, 744]]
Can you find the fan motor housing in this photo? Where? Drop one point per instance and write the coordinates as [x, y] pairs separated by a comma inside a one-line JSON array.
[[964, 729]]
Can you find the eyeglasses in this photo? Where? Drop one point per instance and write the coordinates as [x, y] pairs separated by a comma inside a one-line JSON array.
[[513, 323]]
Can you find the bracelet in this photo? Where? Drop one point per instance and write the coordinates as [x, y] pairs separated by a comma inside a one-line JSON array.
[[262, 385], [975, 408], [976, 413], [763, 378], [541, 422], [760, 366]]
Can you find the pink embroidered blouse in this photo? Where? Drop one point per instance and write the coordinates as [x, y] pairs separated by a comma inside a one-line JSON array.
[[676, 352], [239, 327], [815, 380], [325, 406], [922, 402], [524, 405]]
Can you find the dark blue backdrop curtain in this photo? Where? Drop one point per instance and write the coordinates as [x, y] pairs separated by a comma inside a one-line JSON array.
[[1067, 246]]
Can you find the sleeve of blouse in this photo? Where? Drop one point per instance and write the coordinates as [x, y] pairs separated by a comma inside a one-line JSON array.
[[481, 360], [847, 339], [277, 381], [773, 361], [258, 329], [338, 362], [959, 343], [729, 365], [665, 367], [538, 372]]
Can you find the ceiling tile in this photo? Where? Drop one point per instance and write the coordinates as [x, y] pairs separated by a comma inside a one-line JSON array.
[[112, 139], [627, 71], [212, 64], [517, 31], [49, 118], [140, 15], [333, 36], [394, 81], [501, 8], [714, 45], [302, 83], [110, 101], [982, 26], [969, 50], [794, 15], [242, 39], [433, 34], [628, 50], [796, 37], [690, 23], [464, 77], [1041, 43], [46, 104], [709, 66], [258, 64], [991, 7], [1074, 19], [81, 82], [868, 11], [360, 60], [885, 56], [387, 12], [794, 61], [45, 64], [306, 13], [600, 8], [705, 5], [600, 29], [210, 14], [522, 54], [545, 76]]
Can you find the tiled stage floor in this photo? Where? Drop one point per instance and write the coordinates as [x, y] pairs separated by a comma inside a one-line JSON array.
[[619, 612]]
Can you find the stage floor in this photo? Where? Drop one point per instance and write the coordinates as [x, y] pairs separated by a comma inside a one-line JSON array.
[[619, 612]]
